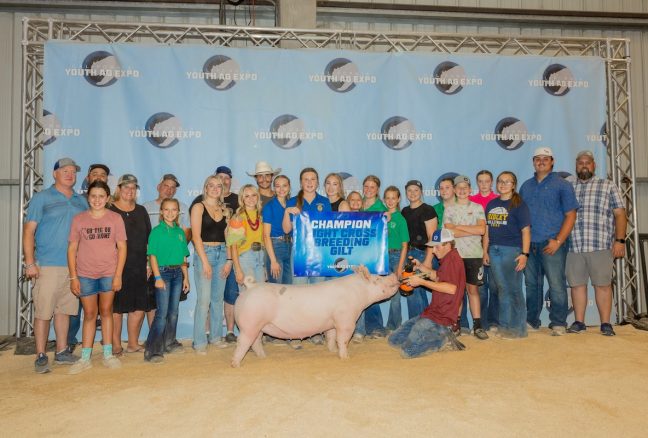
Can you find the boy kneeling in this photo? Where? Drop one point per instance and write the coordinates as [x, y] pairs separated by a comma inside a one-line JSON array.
[[432, 330]]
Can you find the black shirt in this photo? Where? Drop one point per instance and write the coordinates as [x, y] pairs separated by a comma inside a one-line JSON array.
[[416, 218]]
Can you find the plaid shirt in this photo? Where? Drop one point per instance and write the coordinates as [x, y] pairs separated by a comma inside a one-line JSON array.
[[594, 227]]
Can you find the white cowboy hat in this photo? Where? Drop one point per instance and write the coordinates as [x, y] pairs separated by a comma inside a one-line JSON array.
[[262, 168]]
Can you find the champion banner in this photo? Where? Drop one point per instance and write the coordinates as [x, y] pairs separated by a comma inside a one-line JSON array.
[[151, 109], [331, 244]]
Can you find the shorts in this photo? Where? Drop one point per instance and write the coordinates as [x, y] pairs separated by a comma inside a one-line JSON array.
[[595, 265], [52, 295], [92, 286], [474, 271]]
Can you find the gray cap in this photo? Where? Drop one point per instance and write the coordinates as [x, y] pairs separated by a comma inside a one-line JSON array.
[[585, 153], [62, 162], [461, 179], [127, 179], [172, 177]]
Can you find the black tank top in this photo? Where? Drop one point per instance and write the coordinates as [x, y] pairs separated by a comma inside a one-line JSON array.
[[335, 206], [212, 231]]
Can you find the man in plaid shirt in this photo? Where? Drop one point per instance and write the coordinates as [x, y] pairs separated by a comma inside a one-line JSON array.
[[598, 237]]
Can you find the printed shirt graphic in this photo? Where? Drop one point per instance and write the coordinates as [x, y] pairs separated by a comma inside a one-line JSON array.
[[469, 247], [505, 224], [97, 238]]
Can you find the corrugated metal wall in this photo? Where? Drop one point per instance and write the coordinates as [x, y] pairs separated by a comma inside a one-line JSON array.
[[11, 14]]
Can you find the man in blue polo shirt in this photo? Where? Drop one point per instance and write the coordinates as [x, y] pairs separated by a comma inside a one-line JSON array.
[[45, 242], [552, 205]]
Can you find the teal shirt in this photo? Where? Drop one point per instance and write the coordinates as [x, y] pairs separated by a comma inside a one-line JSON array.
[[397, 232], [168, 244]]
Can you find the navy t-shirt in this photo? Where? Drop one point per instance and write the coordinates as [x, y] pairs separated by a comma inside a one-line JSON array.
[[505, 223]]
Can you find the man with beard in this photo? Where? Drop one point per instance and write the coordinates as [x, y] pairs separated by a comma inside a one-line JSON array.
[[598, 237]]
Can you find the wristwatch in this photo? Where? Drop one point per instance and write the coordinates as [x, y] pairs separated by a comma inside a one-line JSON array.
[[620, 240], [525, 254]]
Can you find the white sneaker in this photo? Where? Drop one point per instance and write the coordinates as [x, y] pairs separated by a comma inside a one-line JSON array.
[[558, 331], [112, 362], [531, 328], [201, 351], [80, 366], [221, 344], [357, 338]]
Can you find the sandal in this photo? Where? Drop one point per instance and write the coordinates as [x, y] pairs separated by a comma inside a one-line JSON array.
[[137, 350], [119, 353]]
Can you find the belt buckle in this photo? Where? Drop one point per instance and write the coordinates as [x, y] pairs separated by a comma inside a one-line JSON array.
[[256, 246]]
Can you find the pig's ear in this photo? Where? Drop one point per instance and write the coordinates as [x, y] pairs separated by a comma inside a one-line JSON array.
[[362, 270]]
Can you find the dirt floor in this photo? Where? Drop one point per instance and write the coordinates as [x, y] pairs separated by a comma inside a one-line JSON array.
[[577, 385]]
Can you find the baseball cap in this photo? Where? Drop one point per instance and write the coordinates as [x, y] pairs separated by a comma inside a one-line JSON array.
[[461, 179], [441, 236], [99, 166], [223, 169], [62, 162], [414, 182], [543, 150], [585, 153], [127, 179], [172, 177]]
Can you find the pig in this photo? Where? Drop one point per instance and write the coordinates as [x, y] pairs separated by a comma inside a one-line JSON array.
[[300, 311]]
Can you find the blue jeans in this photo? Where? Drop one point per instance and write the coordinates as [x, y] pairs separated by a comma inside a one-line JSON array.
[[395, 317], [283, 254], [418, 336], [508, 284], [75, 325], [488, 300], [209, 295], [231, 288], [163, 328], [418, 301], [252, 263], [360, 325], [553, 267]]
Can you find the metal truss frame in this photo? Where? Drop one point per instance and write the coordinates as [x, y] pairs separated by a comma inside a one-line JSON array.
[[615, 52]]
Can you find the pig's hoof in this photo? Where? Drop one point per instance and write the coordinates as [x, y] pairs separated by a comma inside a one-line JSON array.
[[236, 364]]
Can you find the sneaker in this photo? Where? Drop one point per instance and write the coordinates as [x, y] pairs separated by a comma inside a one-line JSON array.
[[531, 328], [577, 327], [295, 344], [230, 338], [112, 362], [357, 338], [377, 334], [317, 339], [72, 346], [41, 364], [480, 333], [156, 358], [465, 330], [65, 357], [175, 348], [558, 330], [220, 344], [493, 329], [80, 366], [607, 330]]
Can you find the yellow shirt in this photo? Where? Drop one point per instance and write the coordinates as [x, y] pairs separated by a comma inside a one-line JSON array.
[[251, 235]]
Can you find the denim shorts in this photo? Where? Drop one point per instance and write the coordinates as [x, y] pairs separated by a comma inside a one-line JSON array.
[[92, 286]]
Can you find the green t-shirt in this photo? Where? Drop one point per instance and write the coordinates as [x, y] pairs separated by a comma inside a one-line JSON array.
[[377, 206], [439, 208], [397, 232], [168, 245]]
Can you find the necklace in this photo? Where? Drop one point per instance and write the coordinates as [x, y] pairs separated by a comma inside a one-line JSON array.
[[253, 225]]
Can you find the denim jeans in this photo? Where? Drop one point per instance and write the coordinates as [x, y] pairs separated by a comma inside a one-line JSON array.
[[252, 263], [488, 300], [283, 254], [209, 295], [163, 328], [538, 266], [360, 325], [418, 336], [75, 325], [395, 317], [418, 301], [508, 284]]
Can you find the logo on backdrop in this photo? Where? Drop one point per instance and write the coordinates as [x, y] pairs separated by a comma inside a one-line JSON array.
[[341, 75], [557, 80], [52, 129], [287, 132], [601, 136], [435, 191], [221, 73], [350, 183], [449, 78], [101, 69], [510, 134], [398, 133], [164, 130]]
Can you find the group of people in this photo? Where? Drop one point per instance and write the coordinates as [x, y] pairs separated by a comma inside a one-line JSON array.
[[109, 256]]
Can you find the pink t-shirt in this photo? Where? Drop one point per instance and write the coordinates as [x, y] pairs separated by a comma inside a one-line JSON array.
[[483, 200], [97, 254]]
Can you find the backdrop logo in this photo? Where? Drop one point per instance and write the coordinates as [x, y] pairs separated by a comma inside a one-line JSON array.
[[398, 133], [52, 129], [350, 183], [601, 136], [288, 131], [101, 69], [221, 73], [435, 191], [510, 134], [341, 264], [449, 78], [164, 130], [341, 75], [557, 80]]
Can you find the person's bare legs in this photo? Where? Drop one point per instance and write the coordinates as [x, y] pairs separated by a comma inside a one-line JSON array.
[[579, 301], [118, 318], [603, 302], [134, 326]]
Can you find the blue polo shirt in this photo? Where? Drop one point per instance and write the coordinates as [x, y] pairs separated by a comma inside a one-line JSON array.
[[53, 212], [273, 214], [320, 203], [548, 201]]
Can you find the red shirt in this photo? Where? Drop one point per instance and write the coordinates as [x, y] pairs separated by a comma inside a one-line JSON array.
[[444, 308], [483, 200]]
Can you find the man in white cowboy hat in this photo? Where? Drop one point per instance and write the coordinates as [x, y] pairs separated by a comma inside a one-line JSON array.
[[263, 174]]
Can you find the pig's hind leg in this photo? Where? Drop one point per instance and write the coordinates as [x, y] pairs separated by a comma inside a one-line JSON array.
[[330, 340], [257, 346], [343, 337], [243, 344]]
